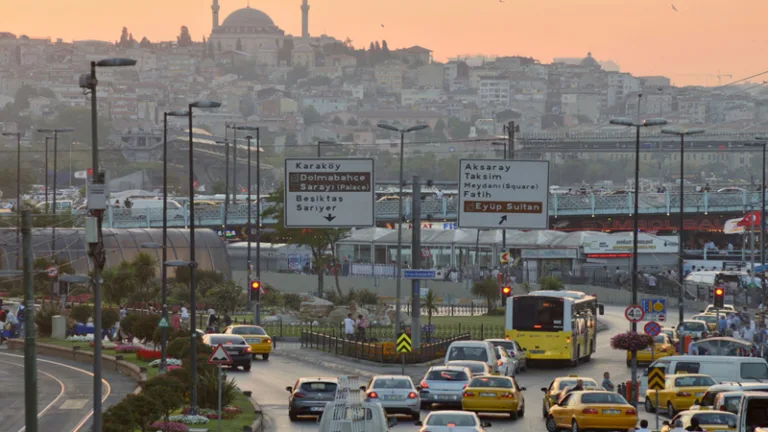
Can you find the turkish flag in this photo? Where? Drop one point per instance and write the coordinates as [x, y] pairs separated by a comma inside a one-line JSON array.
[[750, 219]]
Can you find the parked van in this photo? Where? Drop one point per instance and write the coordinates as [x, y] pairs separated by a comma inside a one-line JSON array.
[[368, 417], [720, 368], [152, 209], [473, 350]]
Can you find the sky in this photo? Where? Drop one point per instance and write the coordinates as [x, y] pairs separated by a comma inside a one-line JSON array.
[[692, 45]]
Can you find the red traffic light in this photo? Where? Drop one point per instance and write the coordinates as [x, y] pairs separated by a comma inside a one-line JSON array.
[[506, 291], [255, 285], [719, 291]]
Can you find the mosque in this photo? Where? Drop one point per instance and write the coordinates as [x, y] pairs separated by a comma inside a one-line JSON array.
[[253, 33]]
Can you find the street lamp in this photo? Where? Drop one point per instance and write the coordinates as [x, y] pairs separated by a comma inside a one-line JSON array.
[[225, 143], [636, 217], [18, 191], [761, 142], [402, 133], [257, 300], [192, 281], [503, 231], [46, 173], [325, 143], [682, 133], [233, 126]]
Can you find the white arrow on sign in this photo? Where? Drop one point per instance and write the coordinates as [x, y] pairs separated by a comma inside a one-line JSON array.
[[220, 356]]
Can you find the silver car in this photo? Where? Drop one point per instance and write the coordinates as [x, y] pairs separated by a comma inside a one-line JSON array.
[[506, 365], [308, 396], [452, 421], [395, 393], [443, 385], [514, 350], [476, 367]]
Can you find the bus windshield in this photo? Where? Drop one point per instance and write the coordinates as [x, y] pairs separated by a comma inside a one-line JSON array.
[[537, 313]]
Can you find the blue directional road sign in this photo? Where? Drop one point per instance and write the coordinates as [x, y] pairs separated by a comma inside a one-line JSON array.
[[655, 309], [419, 274]]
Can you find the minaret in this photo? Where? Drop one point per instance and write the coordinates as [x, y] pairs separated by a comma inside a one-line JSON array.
[[215, 9], [305, 20]]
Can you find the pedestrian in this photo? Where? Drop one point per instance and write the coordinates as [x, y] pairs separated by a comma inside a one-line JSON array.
[[227, 319], [361, 325], [694, 427], [349, 327], [11, 323], [213, 322], [20, 317], [607, 384], [175, 320], [184, 317], [678, 426], [643, 426]]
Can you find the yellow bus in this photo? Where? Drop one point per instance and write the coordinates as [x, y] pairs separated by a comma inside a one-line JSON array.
[[554, 325]]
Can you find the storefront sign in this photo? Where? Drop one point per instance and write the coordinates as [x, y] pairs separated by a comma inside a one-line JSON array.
[[645, 244], [648, 222], [550, 253]]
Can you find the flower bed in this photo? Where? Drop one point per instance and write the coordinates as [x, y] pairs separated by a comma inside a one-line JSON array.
[[228, 412], [631, 341], [105, 344], [83, 338], [127, 348], [170, 426], [189, 419], [147, 355], [168, 362]]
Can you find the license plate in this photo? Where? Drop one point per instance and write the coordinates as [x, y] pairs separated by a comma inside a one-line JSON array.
[[447, 398], [392, 397], [487, 394], [611, 411], [536, 351], [250, 341], [316, 409]]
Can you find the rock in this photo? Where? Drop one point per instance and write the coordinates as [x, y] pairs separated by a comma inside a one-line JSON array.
[[405, 319], [288, 318], [314, 308], [337, 315]]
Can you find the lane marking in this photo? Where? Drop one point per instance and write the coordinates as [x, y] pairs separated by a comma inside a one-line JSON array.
[[50, 405], [90, 413]]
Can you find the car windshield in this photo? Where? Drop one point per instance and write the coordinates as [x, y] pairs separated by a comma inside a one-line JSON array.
[[507, 345], [225, 340], [318, 387], [694, 381], [602, 398], [249, 331], [694, 326], [572, 383], [443, 419], [661, 339], [732, 403], [495, 382], [716, 418], [474, 367], [393, 383], [447, 375], [468, 353]]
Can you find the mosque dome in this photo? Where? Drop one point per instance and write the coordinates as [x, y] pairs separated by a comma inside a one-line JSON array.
[[248, 18]]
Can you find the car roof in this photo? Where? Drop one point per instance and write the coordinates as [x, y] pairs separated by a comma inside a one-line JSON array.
[[573, 378], [383, 377], [245, 325], [694, 412], [466, 362], [450, 367], [322, 379], [687, 375]]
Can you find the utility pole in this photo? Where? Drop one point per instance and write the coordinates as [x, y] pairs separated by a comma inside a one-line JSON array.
[[30, 360], [511, 138], [416, 261]]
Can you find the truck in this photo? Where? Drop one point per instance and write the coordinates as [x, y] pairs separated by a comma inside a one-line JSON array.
[[359, 417]]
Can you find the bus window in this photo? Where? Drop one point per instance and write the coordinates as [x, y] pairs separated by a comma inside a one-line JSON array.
[[537, 313]]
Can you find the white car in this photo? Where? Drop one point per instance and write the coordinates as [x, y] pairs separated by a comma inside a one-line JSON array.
[[452, 421], [514, 350], [506, 365], [476, 368], [395, 393]]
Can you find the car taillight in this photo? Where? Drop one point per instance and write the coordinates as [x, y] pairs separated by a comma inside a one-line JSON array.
[[424, 385], [469, 394], [568, 339], [299, 395], [247, 349], [589, 411], [683, 394], [507, 395], [372, 395], [631, 412], [269, 341], [412, 395], [499, 363]]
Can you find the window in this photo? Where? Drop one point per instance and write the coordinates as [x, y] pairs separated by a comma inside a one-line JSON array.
[[468, 353], [661, 365], [687, 367], [447, 375], [708, 399], [538, 313], [491, 382], [602, 398], [392, 384], [459, 420], [508, 345], [694, 381], [715, 418], [249, 331], [319, 387], [754, 371]]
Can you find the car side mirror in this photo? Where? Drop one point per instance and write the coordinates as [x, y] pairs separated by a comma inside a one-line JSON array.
[[601, 309], [486, 424], [289, 389], [544, 389], [523, 389], [696, 402], [362, 388], [392, 422], [418, 423]]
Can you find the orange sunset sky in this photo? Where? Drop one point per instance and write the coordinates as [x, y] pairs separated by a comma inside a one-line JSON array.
[[645, 37]]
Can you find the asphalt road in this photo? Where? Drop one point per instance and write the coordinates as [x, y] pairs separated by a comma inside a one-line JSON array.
[[267, 380], [64, 391]]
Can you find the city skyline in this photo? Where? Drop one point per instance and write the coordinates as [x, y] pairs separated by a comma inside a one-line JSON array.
[[704, 39]]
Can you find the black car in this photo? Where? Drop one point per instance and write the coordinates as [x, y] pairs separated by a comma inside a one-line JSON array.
[[236, 347], [310, 395]]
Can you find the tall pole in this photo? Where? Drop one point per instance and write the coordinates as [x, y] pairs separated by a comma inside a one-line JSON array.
[[46, 174], [504, 231], [416, 257], [681, 246], [192, 275], [511, 138], [318, 150], [234, 163], [226, 184], [98, 253], [164, 269], [30, 360], [399, 263], [18, 197], [249, 227], [762, 227], [53, 225], [258, 222], [635, 272]]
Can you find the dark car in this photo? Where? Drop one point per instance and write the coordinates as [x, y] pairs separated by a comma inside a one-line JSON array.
[[310, 395], [236, 347]]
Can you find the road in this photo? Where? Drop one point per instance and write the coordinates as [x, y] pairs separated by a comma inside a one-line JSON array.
[[64, 391], [267, 381]]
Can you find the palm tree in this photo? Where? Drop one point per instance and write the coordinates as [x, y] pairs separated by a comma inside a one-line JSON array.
[[145, 269], [429, 303]]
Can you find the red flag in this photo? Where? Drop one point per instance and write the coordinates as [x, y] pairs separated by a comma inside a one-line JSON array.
[[750, 219]]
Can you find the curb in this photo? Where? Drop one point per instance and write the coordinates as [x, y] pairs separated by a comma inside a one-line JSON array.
[[258, 424]]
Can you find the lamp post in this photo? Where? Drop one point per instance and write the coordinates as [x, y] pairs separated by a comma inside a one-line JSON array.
[[90, 82], [402, 133], [682, 133], [636, 219], [46, 173], [761, 142], [233, 126], [193, 265], [324, 143], [249, 226], [18, 192], [225, 143], [503, 231]]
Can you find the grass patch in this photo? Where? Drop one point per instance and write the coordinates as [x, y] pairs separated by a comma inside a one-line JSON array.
[[466, 320], [85, 346], [246, 418]]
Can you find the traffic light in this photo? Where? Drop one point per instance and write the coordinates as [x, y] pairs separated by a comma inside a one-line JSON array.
[[719, 297], [255, 286], [506, 292]]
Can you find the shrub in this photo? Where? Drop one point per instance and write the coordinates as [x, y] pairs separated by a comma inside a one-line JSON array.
[[171, 334], [44, 317], [81, 313], [292, 301], [170, 426], [109, 317], [496, 312], [551, 283], [168, 393], [128, 323], [144, 328], [178, 348], [208, 390], [272, 296], [127, 348], [366, 297]]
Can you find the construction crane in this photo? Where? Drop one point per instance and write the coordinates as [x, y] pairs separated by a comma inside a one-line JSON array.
[[718, 75]]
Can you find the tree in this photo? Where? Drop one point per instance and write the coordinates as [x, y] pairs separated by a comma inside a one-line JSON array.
[[184, 39], [80, 119], [337, 121], [319, 81], [487, 289], [294, 75], [320, 241], [219, 188], [311, 116], [429, 304], [239, 45], [226, 296], [211, 54], [384, 47], [291, 140], [119, 283], [145, 267], [458, 129], [145, 43], [124, 38], [352, 122]]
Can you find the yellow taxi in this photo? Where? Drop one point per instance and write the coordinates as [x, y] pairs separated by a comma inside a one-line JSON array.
[[556, 388], [254, 336], [662, 347], [681, 392], [709, 420], [709, 318], [494, 394], [596, 409]]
